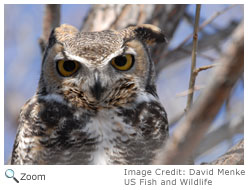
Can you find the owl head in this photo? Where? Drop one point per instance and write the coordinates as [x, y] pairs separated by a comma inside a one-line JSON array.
[[94, 70]]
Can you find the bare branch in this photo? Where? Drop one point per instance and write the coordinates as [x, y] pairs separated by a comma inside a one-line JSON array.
[[189, 91], [50, 21], [205, 23], [208, 41], [203, 68], [235, 156], [214, 16], [103, 17], [193, 67], [191, 130], [194, 52]]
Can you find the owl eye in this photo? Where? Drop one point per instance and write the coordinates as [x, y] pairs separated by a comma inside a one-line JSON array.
[[123, 62], [67, 68]]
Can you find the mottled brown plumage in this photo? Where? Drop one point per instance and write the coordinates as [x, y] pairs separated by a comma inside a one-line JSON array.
[[96, 101]]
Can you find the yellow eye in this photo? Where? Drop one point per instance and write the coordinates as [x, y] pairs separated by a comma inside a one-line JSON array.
[[67, 68], [123, 62]]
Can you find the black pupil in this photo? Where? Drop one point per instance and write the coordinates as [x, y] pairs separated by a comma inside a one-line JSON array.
[[69, 66], [120, 60]]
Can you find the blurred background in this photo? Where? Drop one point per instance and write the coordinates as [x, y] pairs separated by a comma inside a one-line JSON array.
[[23, 28]]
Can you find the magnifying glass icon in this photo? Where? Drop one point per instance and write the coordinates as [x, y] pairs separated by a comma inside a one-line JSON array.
[[10, 174]]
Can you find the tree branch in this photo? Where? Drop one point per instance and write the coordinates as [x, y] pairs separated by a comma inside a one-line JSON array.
[[235, 156], [203, 68], [103, 17], [193, 65], [191, 130], [206, 42], [189, 91], [204, 24]]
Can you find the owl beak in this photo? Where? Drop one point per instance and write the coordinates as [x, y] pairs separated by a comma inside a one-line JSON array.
[[97, 89]]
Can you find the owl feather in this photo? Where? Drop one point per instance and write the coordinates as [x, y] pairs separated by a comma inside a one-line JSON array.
[[96, 101]]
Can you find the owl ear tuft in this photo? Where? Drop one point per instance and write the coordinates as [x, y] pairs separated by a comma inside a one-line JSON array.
[[148, 33], [65, 32], [61, 34]]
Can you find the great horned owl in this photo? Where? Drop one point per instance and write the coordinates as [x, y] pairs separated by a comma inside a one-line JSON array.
[[96, 101]]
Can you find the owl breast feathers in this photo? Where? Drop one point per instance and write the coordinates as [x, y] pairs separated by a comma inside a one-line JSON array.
[[96, 101]]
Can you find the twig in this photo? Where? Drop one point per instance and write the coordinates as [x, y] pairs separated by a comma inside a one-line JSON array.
[[188, 134], [205, 23], [208, 41], [51, 20], [203, 68], [190, 19], [189, 91], [215, 15], [194, 52], [193, 66]]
